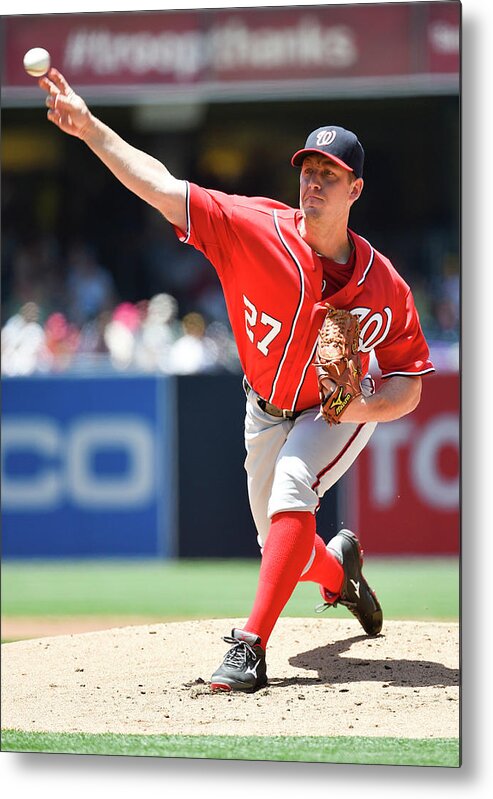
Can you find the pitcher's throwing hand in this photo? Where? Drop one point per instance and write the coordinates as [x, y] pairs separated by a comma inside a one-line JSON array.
[[66, 109]]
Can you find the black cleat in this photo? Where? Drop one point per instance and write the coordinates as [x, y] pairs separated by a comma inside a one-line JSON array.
[[243, 667], [356, 595]]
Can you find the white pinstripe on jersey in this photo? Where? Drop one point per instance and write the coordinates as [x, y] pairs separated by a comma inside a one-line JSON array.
[[298, 310]]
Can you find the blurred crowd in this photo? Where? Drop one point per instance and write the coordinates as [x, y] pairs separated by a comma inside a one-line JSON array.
[[68, 313], [59, 319]]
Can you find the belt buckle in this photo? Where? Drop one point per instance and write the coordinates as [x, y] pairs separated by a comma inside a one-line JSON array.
[[286, 414]]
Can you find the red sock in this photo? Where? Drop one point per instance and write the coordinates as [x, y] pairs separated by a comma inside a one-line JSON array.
[[325, 569], [286, 553]]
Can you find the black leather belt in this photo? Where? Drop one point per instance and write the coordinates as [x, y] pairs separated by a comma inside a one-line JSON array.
[[268, 407]]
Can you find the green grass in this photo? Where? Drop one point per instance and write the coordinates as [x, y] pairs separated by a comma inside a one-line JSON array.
[[360, 750], [412, 588]]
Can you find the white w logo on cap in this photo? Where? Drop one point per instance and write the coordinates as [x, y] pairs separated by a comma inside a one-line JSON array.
[[325, 137]]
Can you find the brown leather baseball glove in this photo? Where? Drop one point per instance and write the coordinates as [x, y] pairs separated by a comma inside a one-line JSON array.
[[338, 363]]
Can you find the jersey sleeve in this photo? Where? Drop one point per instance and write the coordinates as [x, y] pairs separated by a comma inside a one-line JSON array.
[[405, 351], [209, 223]]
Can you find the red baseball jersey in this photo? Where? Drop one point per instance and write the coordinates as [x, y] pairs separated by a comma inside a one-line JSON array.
[[273, 285]]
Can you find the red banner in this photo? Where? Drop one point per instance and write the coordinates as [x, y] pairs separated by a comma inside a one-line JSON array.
[[408, 477], [443, 38], [217, 48]]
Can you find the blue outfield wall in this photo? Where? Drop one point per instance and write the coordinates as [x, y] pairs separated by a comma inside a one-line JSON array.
[[89, 467], [122, 466]]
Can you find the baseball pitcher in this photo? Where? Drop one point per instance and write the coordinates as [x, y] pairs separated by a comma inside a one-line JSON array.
[[308, 300]]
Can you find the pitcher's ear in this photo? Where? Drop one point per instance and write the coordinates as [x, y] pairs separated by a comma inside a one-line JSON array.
[[356, 189]]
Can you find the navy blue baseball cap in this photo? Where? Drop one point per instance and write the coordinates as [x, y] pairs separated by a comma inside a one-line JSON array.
[[338, 144]]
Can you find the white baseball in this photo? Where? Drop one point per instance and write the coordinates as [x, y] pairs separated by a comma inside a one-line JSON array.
[[37, 62]]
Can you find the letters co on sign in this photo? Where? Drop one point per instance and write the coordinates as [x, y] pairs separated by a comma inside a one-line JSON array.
[[88, 469]]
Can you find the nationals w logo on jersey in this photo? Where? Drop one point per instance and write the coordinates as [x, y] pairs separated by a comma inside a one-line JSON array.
[[325, 137], [374, 326]]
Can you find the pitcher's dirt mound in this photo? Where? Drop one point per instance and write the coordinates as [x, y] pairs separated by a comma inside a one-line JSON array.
[[325, 678]]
